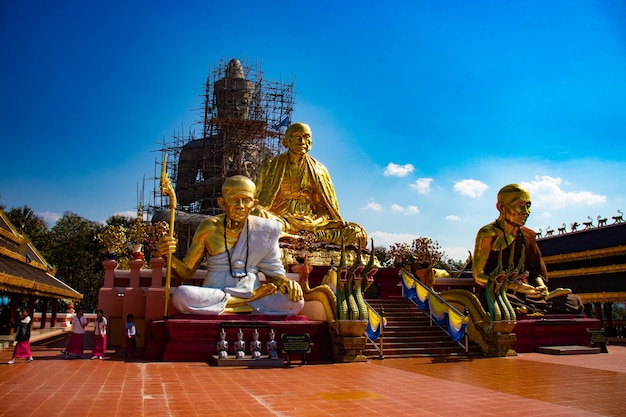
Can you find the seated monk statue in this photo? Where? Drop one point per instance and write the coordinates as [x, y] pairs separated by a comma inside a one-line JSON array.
[[237, 246], [494, 243], [297, 190]]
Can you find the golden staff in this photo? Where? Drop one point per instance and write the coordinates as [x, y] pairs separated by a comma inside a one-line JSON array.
[[167, 189]]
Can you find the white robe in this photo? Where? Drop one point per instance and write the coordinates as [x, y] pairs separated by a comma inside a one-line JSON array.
[[257, 251]]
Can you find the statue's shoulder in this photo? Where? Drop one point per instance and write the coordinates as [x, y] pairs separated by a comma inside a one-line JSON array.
[[315, 163], [211, 223], [275, 159], [529, 234], [489, 230], [262, 223]]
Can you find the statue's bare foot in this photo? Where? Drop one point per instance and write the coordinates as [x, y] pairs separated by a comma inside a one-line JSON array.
[[521, 310], [243, 308], [263, 291], [558, 292]]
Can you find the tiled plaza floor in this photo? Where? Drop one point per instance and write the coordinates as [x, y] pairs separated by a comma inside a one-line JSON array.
[[529, 384]]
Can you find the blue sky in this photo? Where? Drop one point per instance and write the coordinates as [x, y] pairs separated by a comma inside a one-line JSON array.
[[421, 110]]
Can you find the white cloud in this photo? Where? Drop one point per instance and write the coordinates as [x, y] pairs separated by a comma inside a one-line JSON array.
[[456, 253], [405, 210], [546, 193], [128, 213], [471, 188], [386, 239], [422, 185], [49, 217], [396, 170], [372, 205], [453, 218]]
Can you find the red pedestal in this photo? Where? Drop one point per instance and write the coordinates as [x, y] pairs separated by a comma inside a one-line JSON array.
[[194, 338], [552, 330]]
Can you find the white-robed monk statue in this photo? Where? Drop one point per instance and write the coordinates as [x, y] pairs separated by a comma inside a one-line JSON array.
[[237, 247]]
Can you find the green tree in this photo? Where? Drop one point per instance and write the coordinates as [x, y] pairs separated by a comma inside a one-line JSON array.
[[75, 252], [31, 225], [383, 256], [118, 220]]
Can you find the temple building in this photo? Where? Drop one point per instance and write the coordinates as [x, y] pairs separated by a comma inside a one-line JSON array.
[[592, 262], [27, 280]]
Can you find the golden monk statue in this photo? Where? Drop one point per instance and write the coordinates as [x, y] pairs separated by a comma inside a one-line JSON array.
[[298, 191], [237, 247], [527, 292]]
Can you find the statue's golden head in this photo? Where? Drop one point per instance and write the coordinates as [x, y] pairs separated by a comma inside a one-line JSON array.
[[511, 192], [514, 204], [237, 198], [298, 135], [238, 184]]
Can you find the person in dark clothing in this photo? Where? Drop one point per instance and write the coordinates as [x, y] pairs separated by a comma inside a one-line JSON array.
[[22, 337]]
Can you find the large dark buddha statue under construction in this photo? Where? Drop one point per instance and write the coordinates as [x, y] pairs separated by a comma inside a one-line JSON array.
[[233, 143]]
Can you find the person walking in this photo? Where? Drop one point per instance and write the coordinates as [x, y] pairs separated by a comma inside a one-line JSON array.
[[99, 336], [77, 339], [22, 337]]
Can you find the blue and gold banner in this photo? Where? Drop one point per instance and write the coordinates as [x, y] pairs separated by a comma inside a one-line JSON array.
[[374, 323], [442, 313]]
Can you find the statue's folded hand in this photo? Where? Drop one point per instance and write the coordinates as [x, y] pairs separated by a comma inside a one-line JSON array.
[[287, 286]]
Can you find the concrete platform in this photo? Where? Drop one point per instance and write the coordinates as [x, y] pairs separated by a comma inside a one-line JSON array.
[[248, 361], [568, 350]]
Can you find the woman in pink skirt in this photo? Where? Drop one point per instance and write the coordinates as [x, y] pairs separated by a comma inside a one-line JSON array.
[[22, 348], [99, 336], [79, 323]]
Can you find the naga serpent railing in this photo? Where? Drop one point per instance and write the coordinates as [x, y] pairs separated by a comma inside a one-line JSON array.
[[375, 328], [445, 316]]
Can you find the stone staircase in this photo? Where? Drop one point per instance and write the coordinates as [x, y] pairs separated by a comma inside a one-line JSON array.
[[409, 333]]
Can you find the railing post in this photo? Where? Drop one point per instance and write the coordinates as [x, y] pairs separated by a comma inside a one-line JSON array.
[[466, 336], [382, 331]]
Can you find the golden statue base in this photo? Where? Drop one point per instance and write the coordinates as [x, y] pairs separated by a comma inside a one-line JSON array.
[[348, 340], [499, 338]]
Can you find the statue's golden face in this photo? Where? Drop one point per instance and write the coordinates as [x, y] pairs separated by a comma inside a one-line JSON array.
[[237, 203], [300, 141], [515, 209]]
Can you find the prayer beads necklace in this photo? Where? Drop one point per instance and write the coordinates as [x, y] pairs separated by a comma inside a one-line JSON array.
[[237, 275]]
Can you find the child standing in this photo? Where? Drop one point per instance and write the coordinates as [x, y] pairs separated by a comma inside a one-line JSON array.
[[99, 336], [131, 333], [22, 348], [76, 344]]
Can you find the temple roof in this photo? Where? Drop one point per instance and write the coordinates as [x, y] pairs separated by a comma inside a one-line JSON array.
[[24, 270], [592, 262]]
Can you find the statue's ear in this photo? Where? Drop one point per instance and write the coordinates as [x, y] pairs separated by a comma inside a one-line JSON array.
[[500, 206], [221, 203]]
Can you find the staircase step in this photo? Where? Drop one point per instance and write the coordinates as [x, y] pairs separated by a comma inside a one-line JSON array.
[[410, 333]]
